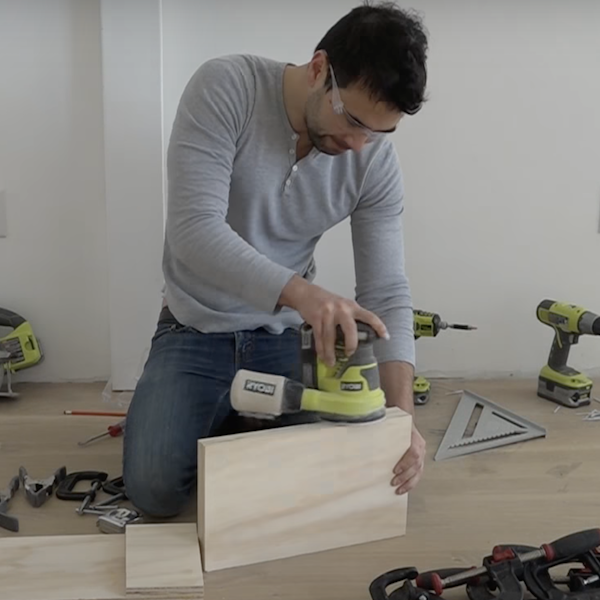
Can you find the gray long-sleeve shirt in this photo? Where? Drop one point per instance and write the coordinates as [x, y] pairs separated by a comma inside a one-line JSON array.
[[244, 215]]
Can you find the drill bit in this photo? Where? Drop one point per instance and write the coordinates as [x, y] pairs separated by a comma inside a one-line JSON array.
[[444, 325]]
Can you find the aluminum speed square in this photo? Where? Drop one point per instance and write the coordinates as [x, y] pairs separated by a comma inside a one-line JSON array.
[[479, 424]]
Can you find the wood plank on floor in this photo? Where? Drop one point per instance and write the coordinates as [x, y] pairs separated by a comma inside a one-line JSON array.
[[163, 562], [147, 562], [68, 567], [282, 492]]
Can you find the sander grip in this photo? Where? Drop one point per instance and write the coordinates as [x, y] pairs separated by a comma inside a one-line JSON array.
[[264, 394]]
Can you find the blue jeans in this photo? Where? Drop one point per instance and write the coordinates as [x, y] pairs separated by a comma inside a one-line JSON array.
[[182, 396]]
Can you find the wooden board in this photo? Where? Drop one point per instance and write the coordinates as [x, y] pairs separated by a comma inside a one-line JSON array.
[[163, 562], [67, 567], [148, 562], [289, 491]]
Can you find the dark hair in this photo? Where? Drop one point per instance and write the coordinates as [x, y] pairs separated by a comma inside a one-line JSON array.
[[383, 48]]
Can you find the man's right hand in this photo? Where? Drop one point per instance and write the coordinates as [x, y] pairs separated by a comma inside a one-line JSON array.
[[324, 311]]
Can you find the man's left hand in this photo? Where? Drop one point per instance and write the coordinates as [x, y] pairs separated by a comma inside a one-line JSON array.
[[409, 468]]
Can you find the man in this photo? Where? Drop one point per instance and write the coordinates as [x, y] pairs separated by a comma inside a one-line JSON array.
[[263, 159]]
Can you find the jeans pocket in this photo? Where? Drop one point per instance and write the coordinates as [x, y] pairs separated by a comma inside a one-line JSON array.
[[161, 329], [165, 327]]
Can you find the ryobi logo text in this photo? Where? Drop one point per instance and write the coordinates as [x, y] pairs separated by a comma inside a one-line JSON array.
[[352, 386], [259, 387]]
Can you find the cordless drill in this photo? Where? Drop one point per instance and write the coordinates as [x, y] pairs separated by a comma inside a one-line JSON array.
[[349, 391], [429, 324], [557, 381]]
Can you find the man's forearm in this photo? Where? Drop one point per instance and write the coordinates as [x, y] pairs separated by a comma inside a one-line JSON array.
[[397, 383]]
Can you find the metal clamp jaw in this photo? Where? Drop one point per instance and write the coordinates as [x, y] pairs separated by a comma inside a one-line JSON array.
[[37, 491], [8, 521], [116, 520]]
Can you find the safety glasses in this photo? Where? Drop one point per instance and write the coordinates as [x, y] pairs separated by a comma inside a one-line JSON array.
[[338, 108]]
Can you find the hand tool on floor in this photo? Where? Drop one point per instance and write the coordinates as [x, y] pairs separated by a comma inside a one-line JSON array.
[[6, 392], [21, 345], [479, 424], [348, 392], [112, 431], [557, 381], [581, 582], [65, 489], [504, 574], [562, 549], [116, 490], [37, 491], [94, 413], [9, 522], [586, 576], [116, 521], [429, 324]]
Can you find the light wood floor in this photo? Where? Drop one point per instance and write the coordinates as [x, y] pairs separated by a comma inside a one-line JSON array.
[[527, 493]]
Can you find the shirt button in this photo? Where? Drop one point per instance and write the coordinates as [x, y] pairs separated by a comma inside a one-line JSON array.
[[295, 168], [287, 183], [292, 151], [294, 136]]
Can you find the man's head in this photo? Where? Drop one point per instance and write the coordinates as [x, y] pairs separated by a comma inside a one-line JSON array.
[[367, 72]]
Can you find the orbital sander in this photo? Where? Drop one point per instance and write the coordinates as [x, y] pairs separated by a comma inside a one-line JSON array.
[[349, 391]]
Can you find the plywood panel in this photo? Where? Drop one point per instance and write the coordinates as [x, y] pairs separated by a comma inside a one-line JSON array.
[[289, 491], [148, 562], [68, 567], [163, 562]]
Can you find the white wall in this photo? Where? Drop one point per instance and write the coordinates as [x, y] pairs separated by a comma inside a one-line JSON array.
[[132, 81], [508, 140], [53, 264], [502, 167]]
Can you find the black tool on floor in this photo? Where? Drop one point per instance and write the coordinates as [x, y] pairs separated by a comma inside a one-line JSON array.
[[67, 485], [568, 546], [506, 573], [407, 591], [116, 489], [580, 579], [586, 576], [582, 583], [37, 491], [9, 522]]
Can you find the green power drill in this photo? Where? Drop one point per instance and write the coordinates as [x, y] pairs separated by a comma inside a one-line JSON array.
[[429, 324], [557, 381]]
